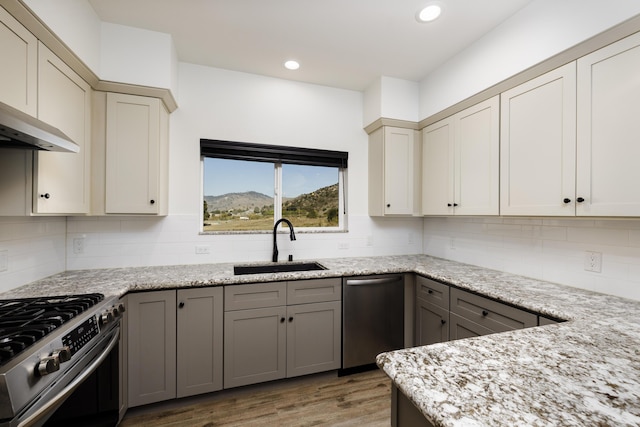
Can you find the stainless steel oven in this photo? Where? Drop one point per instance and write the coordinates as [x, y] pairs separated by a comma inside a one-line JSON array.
[[59, 360]]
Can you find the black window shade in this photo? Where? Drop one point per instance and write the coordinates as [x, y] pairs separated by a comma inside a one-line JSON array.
[[272, 153]]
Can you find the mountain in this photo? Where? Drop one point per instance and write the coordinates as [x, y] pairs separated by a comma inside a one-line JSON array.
[[319, 201], [239, 202]]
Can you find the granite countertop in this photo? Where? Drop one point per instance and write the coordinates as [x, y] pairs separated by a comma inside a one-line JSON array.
[[585, 371]]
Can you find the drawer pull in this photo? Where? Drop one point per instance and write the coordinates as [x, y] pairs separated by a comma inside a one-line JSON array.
[[442, 321], [485, 313], [430, 291]]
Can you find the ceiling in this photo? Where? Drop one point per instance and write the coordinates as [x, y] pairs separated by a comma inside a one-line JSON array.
[[339, 43]]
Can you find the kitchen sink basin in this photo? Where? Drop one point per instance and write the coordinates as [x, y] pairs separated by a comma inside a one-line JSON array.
[[276, 268]]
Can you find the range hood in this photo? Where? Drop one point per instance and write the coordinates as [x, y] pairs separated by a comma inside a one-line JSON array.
[[20, 130]]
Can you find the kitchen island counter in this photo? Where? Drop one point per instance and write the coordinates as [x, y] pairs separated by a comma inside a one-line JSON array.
[[585, 371]]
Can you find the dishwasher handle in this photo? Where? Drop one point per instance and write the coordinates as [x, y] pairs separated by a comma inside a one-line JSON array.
[[373, 281]]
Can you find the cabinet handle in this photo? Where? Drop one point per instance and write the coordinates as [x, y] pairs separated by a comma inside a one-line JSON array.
[[485, 313], [181, 305], [291, 319], [152, 201], [282, 320], [442, 321], [567, 200], [580, 200], [388, 205], [455, 204], [45, 195], [449, 204], [430, 291]]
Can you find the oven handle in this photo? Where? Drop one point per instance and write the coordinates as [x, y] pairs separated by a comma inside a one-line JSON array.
[[70, 388]]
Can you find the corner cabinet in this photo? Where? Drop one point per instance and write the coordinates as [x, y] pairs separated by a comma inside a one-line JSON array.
[[394, 172], [62, 181], [460, 162], [281, 329], [131, 147], [609, 130]]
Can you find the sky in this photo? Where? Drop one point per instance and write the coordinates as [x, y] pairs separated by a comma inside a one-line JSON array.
[[235, 176]]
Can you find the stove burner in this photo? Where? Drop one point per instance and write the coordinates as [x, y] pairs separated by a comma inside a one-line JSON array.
[[25, 321]]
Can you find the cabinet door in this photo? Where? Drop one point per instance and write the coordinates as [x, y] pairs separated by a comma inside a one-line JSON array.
[[199, 351], [134, 162], [538, 143], [254, 346], [477, 154], [151, 343], [313, 338], [438, 153], [460, 328], [399, 148], [609, 130], [432, 323], [62, 180], [19, 70]]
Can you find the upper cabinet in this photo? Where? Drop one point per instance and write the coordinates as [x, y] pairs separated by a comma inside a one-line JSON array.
[[131, 155], [19, 70], [608, 127], [61, 181], [538, 140], [394, 172], [460, 155]]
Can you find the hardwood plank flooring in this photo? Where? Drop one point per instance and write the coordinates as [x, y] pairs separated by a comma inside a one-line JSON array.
[[362, 399]]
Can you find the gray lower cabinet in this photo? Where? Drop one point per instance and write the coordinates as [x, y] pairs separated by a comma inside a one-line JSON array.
[[151, 345], [199, 341], [282, 329], [174, 344], [432, 311]]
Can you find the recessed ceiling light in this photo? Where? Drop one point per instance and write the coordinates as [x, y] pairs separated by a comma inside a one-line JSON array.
[[291, 65], [429, 13]]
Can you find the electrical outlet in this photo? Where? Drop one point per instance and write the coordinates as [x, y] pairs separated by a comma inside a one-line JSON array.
[[4, 261], [78, 245], [369, 240], [410, 239], [202, 249], [593, 261], [452, 243], [343, 245]]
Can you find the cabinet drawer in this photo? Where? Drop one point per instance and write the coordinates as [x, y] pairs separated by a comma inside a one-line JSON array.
[[315, 290], [255, 295], [434, 292], [490, 314]]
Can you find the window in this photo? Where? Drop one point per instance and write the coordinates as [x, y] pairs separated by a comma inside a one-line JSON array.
[[247, 187]]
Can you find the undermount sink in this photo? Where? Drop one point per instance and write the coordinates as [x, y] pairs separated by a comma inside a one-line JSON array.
[[276, 268]]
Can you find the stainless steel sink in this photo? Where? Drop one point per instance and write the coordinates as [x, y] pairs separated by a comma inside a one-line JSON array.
[[276, 268]]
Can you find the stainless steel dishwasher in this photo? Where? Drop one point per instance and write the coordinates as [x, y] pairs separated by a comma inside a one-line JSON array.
[[372, 318]]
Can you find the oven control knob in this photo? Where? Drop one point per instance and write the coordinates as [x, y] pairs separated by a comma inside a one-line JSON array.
[[62, 354], [106, 317], [48, 365], [120, 308]]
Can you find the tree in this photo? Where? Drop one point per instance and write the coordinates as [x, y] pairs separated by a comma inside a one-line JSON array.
[[206, 214], [332, 215]]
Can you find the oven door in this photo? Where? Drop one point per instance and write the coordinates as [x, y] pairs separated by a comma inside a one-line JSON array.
[[48, 402]]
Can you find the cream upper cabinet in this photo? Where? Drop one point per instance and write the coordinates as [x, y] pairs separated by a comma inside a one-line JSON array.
[[394, 172], [61, 181], [460, 162], [538, 145], [19, 70], [136, 150], [608, 145]]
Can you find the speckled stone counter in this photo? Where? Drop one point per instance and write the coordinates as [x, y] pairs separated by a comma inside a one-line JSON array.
[[584, 372]]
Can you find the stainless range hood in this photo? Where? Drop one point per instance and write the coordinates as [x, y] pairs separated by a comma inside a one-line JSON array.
[[20, 130]]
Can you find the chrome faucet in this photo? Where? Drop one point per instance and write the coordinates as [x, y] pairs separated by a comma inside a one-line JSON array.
[[292, 236]]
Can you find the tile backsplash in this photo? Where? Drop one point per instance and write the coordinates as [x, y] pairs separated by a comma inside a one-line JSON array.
[[551, 249]]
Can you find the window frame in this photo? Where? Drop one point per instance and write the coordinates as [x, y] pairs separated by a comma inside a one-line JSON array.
[[277, 156]]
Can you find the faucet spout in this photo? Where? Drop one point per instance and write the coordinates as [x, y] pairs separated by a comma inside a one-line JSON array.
[[292, 236]]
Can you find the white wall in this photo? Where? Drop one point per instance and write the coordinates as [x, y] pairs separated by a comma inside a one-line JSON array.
[[391, 98], [35, 248], [222, 104], [537, 32]]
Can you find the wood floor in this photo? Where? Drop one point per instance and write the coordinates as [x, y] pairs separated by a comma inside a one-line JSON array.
[[362, 399]]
